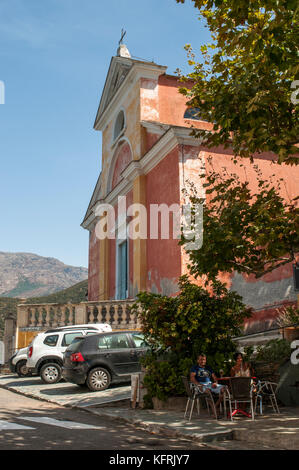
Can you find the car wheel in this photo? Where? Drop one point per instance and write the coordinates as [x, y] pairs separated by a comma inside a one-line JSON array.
[[50, 373], [98, 379], [21, 369]]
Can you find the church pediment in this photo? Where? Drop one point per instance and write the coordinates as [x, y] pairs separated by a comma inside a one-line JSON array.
[[118, 70]]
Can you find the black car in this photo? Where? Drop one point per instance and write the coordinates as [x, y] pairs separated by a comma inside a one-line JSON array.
[[101, 359]]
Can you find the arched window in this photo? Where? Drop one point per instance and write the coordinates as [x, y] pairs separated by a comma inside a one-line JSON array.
[[192, 113], [119, 125]]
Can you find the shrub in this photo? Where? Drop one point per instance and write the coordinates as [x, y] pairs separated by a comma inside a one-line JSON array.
[[181, 327], [163, 374], [276, 350], [288, 316]]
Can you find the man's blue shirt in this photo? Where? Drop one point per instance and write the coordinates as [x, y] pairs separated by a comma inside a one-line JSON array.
[[202, 374]]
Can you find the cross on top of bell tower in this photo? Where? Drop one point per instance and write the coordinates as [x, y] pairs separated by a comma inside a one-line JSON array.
[[123, 33], [122, 50]]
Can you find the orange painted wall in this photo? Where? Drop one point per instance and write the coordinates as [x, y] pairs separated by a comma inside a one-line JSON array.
[[172, 104], [246, 172], [163, 256], [275, 288], [123, 158]]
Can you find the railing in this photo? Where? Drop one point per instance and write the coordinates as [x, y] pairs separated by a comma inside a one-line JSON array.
[[43, 316]]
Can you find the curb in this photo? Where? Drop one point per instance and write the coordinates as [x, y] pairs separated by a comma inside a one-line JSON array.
[[165, 430]]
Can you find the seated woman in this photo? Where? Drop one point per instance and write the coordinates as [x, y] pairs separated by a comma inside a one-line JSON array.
[[241, 368]]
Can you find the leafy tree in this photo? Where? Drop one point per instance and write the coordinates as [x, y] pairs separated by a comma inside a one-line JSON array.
[[179, 328], [196, 320], [244, 231], [246, 83]]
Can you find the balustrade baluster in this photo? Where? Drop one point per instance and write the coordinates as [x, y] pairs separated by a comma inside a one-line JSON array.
[[67, 314], [72, 317], [63, 315], [108, 315], [47, 319], [91, 315], [30, 321], [55, 317], [124, 322], [39, 317], [101, 308]]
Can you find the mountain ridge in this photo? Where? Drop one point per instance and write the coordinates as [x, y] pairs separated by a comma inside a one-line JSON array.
[[27, 275], [74, 294]]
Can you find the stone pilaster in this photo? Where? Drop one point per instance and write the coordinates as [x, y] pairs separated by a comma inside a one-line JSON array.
[[139, 245]]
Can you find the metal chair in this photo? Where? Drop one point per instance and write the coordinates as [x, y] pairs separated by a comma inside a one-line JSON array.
[[266, 392], [209, 398], [239, 391], [194, 393]]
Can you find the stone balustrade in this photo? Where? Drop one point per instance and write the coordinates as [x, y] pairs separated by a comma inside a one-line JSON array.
[[42, 316]]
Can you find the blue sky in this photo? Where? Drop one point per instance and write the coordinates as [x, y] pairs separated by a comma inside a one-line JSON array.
[[54, 57]]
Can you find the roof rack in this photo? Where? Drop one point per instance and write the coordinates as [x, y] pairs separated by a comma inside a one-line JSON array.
[[67, 328]]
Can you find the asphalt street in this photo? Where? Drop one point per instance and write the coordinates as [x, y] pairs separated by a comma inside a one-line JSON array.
[[30, 424]]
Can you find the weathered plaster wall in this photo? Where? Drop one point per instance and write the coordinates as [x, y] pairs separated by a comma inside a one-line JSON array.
[[131, 105], [191, 163], [172, 104], [274, 288], [163, 256], [260, 293], [263, 319], [149, 100], [150, 140], [112, 261], [93, 267], [278, 284], [123, 158]]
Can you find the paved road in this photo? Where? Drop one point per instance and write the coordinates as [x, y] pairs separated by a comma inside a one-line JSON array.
[[29, 424]]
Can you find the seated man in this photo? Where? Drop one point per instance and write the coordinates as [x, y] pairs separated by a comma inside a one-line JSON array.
[[204, 377]]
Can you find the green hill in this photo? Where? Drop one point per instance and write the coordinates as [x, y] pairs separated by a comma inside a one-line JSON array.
[[74, 294]]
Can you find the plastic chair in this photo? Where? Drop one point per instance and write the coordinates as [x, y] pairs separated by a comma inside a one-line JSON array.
[[240, 391], [266, 391]]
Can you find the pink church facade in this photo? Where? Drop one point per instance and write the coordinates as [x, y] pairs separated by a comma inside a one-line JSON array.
[[148, 158]]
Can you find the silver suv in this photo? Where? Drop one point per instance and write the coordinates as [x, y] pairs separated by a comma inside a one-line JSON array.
[[45, 352]]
